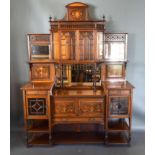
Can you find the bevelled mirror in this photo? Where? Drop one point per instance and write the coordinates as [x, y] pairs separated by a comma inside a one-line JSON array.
[[40, 52], [115, 47]]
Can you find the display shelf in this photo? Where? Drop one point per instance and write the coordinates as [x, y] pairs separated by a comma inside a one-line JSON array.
[[117, 138], [40, 139], [118, 125], [78, 138], [40, 126]]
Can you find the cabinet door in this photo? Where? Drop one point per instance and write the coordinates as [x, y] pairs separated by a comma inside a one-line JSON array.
[[37, 107], [119, 106], [67, 45], [91, 107], [65, 107], [86, 45]]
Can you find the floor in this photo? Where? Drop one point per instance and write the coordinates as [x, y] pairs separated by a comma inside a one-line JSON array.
[[137, 147]]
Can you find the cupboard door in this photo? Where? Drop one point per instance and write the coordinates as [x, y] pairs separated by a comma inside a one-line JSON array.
[[86, 45], [37, 107], [65, 107], [91, 107], [67, 45], [119, 106]]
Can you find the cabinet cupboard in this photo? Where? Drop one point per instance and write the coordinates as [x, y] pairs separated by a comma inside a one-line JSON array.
[[78, 91]]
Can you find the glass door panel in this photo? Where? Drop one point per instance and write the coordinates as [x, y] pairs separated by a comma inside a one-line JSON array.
[[68, 45], [86, 46]]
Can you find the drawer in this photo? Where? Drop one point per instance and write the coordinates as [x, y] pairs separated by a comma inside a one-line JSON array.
[[36, 92], [119, 92], [79, 120], [91, 107]]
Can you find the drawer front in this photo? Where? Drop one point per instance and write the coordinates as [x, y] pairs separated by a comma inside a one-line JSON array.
[[36, 92], [65, 107], [119, 92], [36, 107], [118, 106], [91, 107], [78, 120]]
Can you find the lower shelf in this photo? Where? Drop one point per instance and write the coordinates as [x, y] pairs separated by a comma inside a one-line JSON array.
[[113, 138], [78, 138], [41, 139], [117, 138]]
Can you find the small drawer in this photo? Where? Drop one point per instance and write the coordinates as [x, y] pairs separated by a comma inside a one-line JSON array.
[[36, 92], [79, 120], [119, 92]]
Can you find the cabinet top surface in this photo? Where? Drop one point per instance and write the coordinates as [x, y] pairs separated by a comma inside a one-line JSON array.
[[38, 86], [118, 85], [78, 92]]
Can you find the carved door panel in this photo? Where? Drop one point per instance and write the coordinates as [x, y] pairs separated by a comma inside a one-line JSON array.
[[119, 106], [91, 107], [65, 107]]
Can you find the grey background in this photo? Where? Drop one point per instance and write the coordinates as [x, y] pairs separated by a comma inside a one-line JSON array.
[[31, 16]]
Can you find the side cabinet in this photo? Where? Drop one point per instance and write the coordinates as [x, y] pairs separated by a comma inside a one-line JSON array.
[[118, 116], [37, 114]]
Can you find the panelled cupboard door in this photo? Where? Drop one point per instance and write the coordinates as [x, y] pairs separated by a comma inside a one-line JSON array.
[[37, 107], [65, 107], [85, 107], [119, 106], [91, 107]]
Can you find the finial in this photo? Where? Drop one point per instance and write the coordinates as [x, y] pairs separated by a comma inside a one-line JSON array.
[[50, 18], [103, 17]]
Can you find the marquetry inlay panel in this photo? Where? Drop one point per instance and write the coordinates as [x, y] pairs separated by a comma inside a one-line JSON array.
[[91, 107], [41, 72], [64, 107]]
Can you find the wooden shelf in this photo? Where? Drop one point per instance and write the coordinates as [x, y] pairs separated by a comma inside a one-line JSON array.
[[41, 129], [40, 140], [78, 138], [117, 138], [39, 126], [117, 125]]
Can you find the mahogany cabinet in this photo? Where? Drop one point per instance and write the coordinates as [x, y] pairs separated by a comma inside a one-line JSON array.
[[78, 92]]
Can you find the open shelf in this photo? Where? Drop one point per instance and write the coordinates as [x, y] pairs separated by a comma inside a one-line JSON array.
[[117, 138], [117, 125], [78, 138], [41, 139], [38, 126]]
